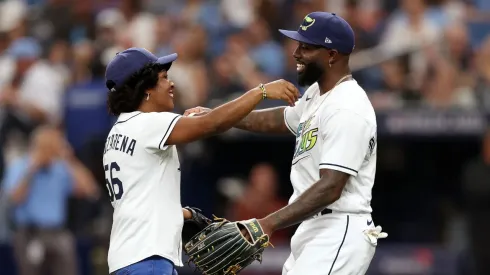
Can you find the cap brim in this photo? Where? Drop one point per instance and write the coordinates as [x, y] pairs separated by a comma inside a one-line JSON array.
[[167, 60], [297, 36]]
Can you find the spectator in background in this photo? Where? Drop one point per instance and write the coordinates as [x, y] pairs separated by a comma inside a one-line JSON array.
[[206, 14], [163, 35], [446, 83], [86, 118], [197, 12], [223, 79], [124, 26], [476, 188], [34, 95], [13, 25], [260, 198], [238, 13], [83, 21], [13, 19], [190, 72], [54, 21], [409, 30], [139, 25], [21, 55], [38, 186], [482, 89], [393, 86], [264, 51], [107, 23], [364, 23], [243, 69], [457, 49]]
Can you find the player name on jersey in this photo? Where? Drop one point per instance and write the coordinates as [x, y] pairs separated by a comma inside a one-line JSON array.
[[121, 143]]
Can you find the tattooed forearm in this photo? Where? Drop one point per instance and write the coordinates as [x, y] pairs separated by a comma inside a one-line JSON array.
[[324, 192], [265, 121]]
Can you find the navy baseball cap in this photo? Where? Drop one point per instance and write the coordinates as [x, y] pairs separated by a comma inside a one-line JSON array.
[[324, 29], [130, 61]]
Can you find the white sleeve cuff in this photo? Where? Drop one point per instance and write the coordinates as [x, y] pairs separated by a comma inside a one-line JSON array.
[[162, 145], [340, 168], [287, 124]]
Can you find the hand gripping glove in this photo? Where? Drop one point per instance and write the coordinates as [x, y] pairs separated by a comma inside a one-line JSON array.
[[194, 225], [222, 249]]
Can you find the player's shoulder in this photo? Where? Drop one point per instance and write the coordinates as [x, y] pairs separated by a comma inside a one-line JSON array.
[[351, 95], [139, 123], [127, 117], [351, 90], [142, 118], [350, 99]]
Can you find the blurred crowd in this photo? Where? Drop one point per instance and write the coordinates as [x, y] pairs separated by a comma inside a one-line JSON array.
[[53, 53]]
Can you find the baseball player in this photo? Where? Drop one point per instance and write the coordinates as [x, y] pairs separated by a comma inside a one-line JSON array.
[[334, 162], [141, 162]]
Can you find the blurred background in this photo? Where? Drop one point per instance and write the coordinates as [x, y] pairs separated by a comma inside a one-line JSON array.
[[424, 64]]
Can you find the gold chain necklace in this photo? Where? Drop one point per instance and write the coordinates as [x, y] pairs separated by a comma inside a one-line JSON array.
[[340, 81]]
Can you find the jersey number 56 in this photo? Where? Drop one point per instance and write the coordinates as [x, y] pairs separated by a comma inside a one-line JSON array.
[[114, 185]]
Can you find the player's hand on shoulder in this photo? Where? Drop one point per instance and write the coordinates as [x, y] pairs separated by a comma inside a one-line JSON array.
[[197, 111], [283, 90]]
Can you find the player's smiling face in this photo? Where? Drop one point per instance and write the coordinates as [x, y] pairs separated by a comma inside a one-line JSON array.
[[163, 94], [309, 65]]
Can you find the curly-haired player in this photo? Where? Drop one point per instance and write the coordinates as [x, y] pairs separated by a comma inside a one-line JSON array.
[[141, 161]]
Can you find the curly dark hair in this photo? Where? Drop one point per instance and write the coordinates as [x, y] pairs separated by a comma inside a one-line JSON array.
[[128, 96]]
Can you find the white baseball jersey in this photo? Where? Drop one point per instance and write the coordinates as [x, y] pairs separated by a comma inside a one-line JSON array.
[[336, 130], [143, 181]]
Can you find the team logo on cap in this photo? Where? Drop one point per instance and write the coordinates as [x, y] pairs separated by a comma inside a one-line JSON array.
[[307, 22]]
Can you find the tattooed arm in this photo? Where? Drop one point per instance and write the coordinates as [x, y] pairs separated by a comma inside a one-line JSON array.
[[321, 194], [269, 120], [278, 120]]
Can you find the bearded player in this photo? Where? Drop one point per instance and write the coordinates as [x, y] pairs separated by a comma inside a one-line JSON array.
[[334, 162]]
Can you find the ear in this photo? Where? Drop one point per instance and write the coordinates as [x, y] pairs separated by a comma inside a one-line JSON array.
[[149, 91], [333, 56]]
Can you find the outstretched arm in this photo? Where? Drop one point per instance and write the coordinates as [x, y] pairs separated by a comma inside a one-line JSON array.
[[222, 118], [269, 120], [321, 194], [278, 120]]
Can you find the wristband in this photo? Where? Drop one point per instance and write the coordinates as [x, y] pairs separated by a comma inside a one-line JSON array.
[[264, 91]]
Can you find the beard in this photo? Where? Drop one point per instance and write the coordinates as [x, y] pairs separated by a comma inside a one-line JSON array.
[[310, 74]]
